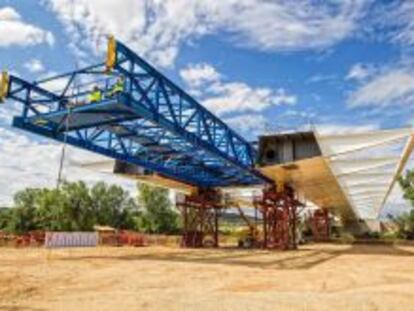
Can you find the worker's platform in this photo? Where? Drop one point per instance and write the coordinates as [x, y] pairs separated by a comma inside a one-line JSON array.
[[87, 115]]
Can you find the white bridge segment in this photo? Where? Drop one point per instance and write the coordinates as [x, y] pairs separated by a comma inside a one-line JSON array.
[[366, 165], [363, 167], [339, 144]]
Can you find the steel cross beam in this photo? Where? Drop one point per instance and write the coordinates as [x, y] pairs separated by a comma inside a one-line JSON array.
[[152, 123]]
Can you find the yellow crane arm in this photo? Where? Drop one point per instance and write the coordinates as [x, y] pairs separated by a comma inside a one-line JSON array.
[[4, 85], [111, 54]]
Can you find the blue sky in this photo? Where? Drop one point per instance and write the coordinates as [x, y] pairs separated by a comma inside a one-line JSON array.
[[342, 65]]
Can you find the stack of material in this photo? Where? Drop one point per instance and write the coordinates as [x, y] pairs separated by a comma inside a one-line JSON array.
[[71, 239]]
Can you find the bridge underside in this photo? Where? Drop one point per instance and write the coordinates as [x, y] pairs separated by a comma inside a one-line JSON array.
[[314, 181], [350, 174]]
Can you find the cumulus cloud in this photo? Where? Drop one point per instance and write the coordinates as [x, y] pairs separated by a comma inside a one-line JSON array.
[[34, 65], [240, 97], [248, 125], [40, 163], [199, 74], [392, 87], [31, 161], [360, 72], [338, 128], [157, 29], [154, 29], [294, 25], [223, 97], [14, 31], [402, 16]]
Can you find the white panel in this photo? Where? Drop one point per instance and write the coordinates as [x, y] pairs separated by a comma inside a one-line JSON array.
[[71, 239], [343, 167], [364, 179], [357, 193], [338, 144], [365, 164]]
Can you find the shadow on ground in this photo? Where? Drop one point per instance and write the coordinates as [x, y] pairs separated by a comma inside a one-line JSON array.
[[303, 258]]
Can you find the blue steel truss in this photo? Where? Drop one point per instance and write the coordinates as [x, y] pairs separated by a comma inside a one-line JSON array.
[[152, 123]]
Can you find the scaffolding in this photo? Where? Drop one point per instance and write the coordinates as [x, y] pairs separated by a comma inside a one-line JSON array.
[[320, 225], [200, 213], [279, 211]]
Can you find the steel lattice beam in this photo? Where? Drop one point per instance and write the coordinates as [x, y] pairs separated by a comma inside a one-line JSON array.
[[153, 123]]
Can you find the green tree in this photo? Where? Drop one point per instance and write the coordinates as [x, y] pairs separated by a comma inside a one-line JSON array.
[[113, 206], [405, 222], [407, 185], [23, 216], [72, 207], [77, 207], [158, 215], [50, 210], [5, 215]]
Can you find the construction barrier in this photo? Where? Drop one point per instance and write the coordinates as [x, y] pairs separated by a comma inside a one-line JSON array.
[[71, 239], [131, 238]]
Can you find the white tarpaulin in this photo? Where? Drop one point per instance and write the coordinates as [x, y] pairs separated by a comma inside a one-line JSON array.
[[366, 165], [71, 239]]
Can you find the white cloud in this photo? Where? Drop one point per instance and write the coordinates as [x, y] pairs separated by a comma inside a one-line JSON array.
[[38, 165], [199, 74], [321, 78], [56, 85], [294, 25], [240, 97], [393, 87], [223, 97], [157, 29], [34, 65], [403, 17], [248, 125], [14, 31], [360, 72], [31, 161], [338, 128], [154, 29]]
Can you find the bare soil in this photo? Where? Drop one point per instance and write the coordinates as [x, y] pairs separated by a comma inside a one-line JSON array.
[[315, 277]]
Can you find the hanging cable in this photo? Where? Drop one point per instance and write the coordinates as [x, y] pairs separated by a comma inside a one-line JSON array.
[[68, 116], [65, 137], [67, 121]]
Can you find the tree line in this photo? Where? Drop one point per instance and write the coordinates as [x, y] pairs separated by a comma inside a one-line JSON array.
[[405, 222], [77, 207]]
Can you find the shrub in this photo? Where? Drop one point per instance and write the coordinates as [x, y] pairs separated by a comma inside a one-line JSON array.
[[346, 238]]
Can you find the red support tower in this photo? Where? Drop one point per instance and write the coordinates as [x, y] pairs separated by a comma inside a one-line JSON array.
[[320, 225], [279, 210], [200, 214]]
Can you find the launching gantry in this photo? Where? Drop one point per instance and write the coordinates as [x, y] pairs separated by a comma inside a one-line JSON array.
[[152, 124], [154, 129]]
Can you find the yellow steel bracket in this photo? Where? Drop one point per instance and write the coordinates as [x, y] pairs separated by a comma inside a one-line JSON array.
[[111, 54], [280, 184], [4, 85]]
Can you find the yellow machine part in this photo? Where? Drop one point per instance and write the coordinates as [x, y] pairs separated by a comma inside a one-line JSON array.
[[111, 54], [4, 85]]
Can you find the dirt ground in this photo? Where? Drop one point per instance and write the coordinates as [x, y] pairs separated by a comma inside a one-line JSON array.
[[316, 277]]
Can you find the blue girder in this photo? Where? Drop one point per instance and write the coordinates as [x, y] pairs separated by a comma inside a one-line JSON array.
[[153, 123]]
